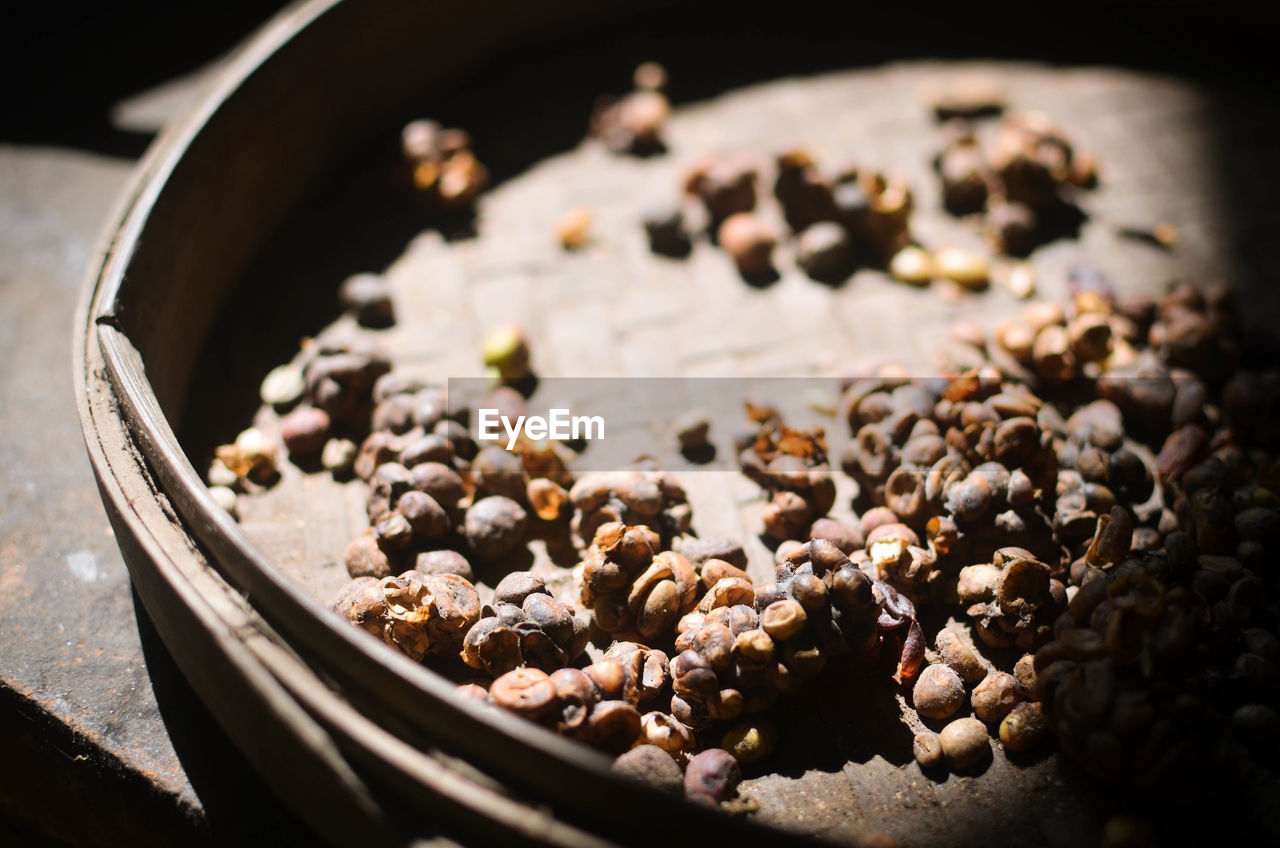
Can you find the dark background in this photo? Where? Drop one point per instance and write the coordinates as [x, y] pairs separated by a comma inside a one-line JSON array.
[[65, 64]]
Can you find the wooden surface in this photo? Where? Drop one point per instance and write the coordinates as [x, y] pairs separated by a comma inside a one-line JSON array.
[[102, 739], [615, 310]]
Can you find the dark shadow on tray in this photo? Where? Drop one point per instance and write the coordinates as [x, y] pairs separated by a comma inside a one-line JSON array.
[[700, 455], [492, 572], [238, 805], [835, 278], [675, 251], [760, 279], [769, 541], [1062, 221], [558, 540], [526, 385], [355, 223], [845, 716], [1026, 759], [309, 463]]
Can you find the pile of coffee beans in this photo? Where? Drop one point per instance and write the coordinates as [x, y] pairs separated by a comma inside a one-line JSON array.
[[443, 170], [1023, 180], [835, 222], [632, 124]]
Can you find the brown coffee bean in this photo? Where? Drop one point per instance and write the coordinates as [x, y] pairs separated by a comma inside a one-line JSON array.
[[1012, 228], [700, 550], [957, 654], [1089, 337], [528, 692], [938, 692], [846, 536], [904, 493], [305, 431], [664, 732], [1052, 355], [824, 250], [495, 527], [727, 186], [664, 224], [364, 558], [1025, 727], [969, 499], [749, 241], [964, 181], [393, 532], [783, 619], [651, 765], [965, 743], [443, 562], [787, 515], [441, 482], [1184, 448], [427, 518], [712, 777], [995, 696], [613, 726], [926, 747]]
